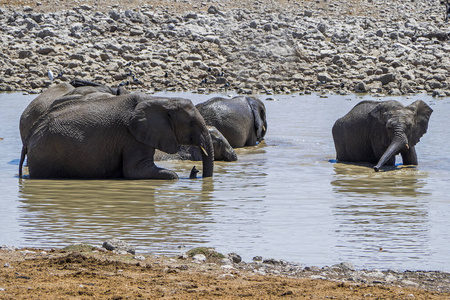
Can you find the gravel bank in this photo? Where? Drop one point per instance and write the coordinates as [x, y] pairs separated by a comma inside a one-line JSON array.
[[261, 46], [86, 271]]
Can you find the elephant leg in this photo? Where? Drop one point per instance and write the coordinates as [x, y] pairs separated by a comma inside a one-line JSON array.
[[138, 163], [339, 142], [409, 156]]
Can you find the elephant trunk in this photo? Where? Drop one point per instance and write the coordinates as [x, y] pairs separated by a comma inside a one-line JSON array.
[[205, 144], [399, 142]]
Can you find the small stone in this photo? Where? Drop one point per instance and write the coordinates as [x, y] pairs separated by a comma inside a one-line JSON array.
[[85, 7], [199, 258], [213, 10], [226, 276], [272, 261], [234, 257], [324, 77], [115, 244], [45, 50], [25, 53], [345, 266], [253, 24], [227, 267], [360, 87]]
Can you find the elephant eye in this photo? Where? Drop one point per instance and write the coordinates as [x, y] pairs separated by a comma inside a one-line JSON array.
[[389, 124]]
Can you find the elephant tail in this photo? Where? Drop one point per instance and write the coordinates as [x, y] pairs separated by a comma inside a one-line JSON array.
[[22, 159]]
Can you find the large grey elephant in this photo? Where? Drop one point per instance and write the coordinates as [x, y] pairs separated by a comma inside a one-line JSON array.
[[222, 150], [376, 131], [241, 120], [113, 137]]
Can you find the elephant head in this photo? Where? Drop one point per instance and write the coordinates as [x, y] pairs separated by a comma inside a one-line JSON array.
[[404, 126], [222, 149], [166, 123]]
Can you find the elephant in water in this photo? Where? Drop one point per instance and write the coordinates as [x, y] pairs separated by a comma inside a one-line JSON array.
[[241, 120], [375, 132], [111, 136], [222, 150]]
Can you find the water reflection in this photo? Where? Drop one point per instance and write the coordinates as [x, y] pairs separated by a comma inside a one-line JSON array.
[[382, 215], [156, 216], [358, 180], [165, 212]]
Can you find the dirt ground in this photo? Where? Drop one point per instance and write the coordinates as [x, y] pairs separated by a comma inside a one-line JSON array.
[[70, 274]]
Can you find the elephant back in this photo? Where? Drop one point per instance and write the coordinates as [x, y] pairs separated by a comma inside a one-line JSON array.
[[40, 105]]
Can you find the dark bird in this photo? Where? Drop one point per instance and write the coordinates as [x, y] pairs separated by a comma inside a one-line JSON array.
[[60, 74], [136, 81]]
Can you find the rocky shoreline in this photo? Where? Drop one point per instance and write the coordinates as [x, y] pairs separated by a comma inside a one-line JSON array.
[[230, 265], [260, 47]]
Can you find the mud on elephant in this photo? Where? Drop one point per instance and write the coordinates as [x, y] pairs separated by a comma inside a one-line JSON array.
[[113, 137], [375, 132]]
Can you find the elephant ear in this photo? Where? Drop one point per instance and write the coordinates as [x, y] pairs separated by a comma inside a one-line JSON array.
[[422, 113], [259, 117], [151, 124]]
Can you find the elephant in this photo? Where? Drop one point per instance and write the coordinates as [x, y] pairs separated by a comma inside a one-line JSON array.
[[376, 131], [114, 137], [241, 119], [222, 150], [77, 89]]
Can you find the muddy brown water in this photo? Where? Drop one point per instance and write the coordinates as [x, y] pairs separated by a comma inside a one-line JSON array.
[[286, 198]]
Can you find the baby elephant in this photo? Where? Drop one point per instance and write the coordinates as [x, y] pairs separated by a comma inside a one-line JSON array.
[[376, 132], [222, 149]]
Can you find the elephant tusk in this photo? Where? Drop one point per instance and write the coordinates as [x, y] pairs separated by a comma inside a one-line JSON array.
[[407, 146], [204, 151]]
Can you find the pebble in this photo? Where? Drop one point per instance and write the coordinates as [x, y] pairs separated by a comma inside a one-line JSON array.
[[199, 258], [119, 246]]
